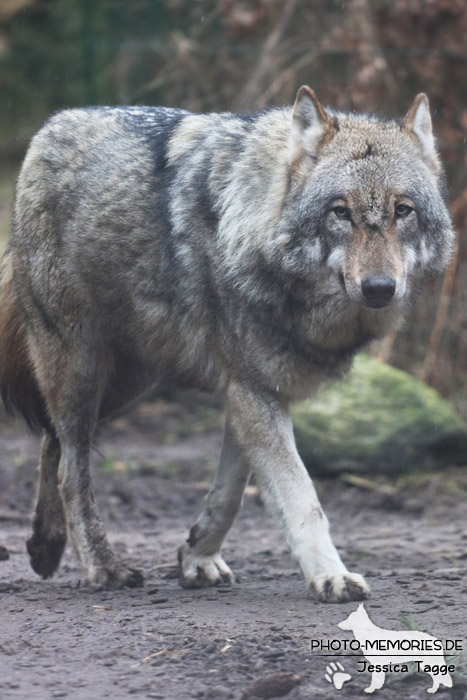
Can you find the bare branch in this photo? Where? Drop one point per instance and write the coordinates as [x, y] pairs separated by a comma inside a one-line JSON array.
[[249, 95]]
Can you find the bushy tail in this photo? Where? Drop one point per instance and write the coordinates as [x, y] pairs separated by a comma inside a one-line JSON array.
[[18, 387]]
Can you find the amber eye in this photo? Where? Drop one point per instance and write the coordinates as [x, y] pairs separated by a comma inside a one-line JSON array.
[[341, 212], [402, 210]]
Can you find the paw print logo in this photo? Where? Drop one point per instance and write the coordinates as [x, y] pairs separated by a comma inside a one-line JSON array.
[[335, 674]]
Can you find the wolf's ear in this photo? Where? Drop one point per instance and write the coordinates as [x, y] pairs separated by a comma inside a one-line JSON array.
[[309, 124], [418, 123]]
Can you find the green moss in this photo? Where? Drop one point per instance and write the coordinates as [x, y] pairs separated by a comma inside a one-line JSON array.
[[378, 418]]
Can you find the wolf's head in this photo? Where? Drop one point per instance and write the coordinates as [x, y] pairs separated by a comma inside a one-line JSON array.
[[365, 200]]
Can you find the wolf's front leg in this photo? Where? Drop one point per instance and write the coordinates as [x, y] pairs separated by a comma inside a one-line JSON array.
[[264, 430], [200, 560]]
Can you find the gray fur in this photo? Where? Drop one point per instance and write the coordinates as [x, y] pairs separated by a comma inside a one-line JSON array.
[[152, 246]]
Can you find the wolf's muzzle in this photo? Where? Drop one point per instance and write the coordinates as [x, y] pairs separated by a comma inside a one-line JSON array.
[[378, 290]]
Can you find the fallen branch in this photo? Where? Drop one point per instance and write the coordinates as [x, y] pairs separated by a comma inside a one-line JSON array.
[[363, 483]]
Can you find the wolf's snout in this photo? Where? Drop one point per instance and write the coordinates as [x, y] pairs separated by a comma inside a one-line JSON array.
[[378, 290]]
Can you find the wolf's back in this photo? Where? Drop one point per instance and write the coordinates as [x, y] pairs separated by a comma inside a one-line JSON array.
[[18, 387]]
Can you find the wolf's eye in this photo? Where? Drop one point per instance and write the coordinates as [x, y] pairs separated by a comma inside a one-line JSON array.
[[341, 212], [402, 210]]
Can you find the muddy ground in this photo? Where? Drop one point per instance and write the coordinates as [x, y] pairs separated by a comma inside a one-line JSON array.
[[60, 638]]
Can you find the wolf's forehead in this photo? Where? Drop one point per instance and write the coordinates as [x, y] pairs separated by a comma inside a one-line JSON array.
[[362, 137], [371, 190], [371, 151], [371, 180]]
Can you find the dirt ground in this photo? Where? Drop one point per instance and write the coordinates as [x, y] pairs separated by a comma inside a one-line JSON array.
[[60, 638]]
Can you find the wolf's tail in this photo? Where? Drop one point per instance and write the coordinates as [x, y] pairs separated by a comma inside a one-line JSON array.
[[18, 387]]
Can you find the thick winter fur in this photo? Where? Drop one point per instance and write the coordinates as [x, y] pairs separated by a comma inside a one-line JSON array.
[[225, 252]]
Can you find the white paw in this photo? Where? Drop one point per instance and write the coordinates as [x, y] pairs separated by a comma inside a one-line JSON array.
[[335, 674], [202, 571], [339, 588]]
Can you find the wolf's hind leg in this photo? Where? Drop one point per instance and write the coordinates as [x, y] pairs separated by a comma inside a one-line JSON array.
[[200, 561], [69, 377], [48, 539], [100, 563]]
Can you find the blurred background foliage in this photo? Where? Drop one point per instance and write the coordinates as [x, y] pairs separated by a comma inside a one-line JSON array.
[[202, 55]]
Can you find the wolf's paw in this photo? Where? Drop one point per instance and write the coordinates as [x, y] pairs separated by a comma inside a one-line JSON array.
[[116, 575], [45, 550], [202, 571], [339, 588]]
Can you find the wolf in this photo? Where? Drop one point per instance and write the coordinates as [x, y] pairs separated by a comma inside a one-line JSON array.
[[422, 649], [250, 255]]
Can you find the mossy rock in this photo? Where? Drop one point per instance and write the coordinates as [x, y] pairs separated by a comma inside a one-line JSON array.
[[378, 419]]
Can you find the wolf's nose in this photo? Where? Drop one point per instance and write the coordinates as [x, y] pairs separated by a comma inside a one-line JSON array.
[[378, 289]]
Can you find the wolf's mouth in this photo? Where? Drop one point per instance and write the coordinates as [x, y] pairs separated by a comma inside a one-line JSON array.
[[375, 304]]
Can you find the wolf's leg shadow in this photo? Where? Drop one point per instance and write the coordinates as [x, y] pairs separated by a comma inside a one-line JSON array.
[[263, 428], [71, 382], [48, 539], [377, 682], [200, 560]]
